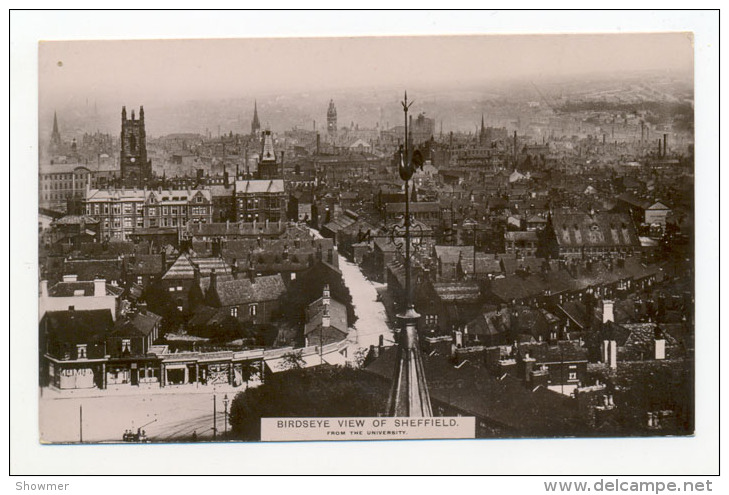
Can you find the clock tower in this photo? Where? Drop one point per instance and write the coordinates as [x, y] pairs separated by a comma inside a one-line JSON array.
[[135, 168], [332, 119]]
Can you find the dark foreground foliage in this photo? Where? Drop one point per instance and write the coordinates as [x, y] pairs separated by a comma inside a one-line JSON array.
[[325, 391]]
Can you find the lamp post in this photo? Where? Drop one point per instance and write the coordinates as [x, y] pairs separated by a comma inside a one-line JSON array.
[[225, 404]]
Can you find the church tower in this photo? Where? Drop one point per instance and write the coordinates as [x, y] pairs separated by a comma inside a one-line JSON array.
[[267, 166], [255, 124], [332, 119], [135, 167]]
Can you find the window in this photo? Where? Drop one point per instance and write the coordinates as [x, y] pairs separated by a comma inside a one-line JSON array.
[[152, 211], [140, 280], [253, 309], [127, 222], [164, 221], [117, 223], [234, 311], [140, 222], [165, 210], [81, 351], [139, 209], [573, 375], [117, 209], [127, 208], [174, 210], [171, 289], [96, 209], [106, 209], [126, 346]]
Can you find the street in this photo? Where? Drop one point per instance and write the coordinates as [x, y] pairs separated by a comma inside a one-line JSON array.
[[372, 319], [165, 417]]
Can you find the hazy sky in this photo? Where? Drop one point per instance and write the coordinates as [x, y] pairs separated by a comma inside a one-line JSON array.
[[139, 71]]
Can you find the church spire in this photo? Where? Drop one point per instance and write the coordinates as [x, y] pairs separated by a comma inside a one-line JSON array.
[[255, 124], [55, 146], [56, 135], [482, 135]]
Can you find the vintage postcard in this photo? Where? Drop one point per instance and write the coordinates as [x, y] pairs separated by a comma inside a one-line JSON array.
[[366, 238]]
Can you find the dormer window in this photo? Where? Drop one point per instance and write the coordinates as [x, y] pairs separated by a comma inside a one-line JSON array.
[[81, 351], [126, 347]]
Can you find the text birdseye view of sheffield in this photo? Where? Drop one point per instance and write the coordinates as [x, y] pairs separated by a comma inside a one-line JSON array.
[[366, 238]]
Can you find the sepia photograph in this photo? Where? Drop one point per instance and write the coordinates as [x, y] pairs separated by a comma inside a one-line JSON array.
[[366, 238], [224, 246]]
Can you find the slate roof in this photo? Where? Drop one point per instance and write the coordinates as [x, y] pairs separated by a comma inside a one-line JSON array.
[[184, 267], [315, 312], [78, 327], [136, 324], [642, 335], [243, 291], [236, 228], [546, 353], [466, 292], [490, 324], [521, 236], [339, 222], [505, 402], [414, 207], [89, 269], [145, 264], [68, 289], [485, 264], [598, 230], [451, 254], [76, 220], [258, 186]]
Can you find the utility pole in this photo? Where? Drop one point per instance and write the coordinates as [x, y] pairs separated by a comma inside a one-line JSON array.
[[215, 418], [81, 423]]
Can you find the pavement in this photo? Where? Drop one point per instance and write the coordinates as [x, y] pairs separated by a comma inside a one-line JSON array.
[[52, 393]]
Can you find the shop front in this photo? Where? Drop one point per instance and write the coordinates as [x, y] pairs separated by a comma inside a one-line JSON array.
[[75, 375]]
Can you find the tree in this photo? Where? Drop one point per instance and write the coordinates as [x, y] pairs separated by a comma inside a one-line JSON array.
[[324, 391], [293, 361]]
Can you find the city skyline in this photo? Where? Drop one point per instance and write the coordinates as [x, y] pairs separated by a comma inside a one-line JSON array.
[[174, 72]]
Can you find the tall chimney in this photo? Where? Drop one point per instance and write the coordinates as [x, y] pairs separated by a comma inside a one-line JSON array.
[[213, 280], [607, 310], [665, 137], [99, 287], [659, 343], [326, 296]]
